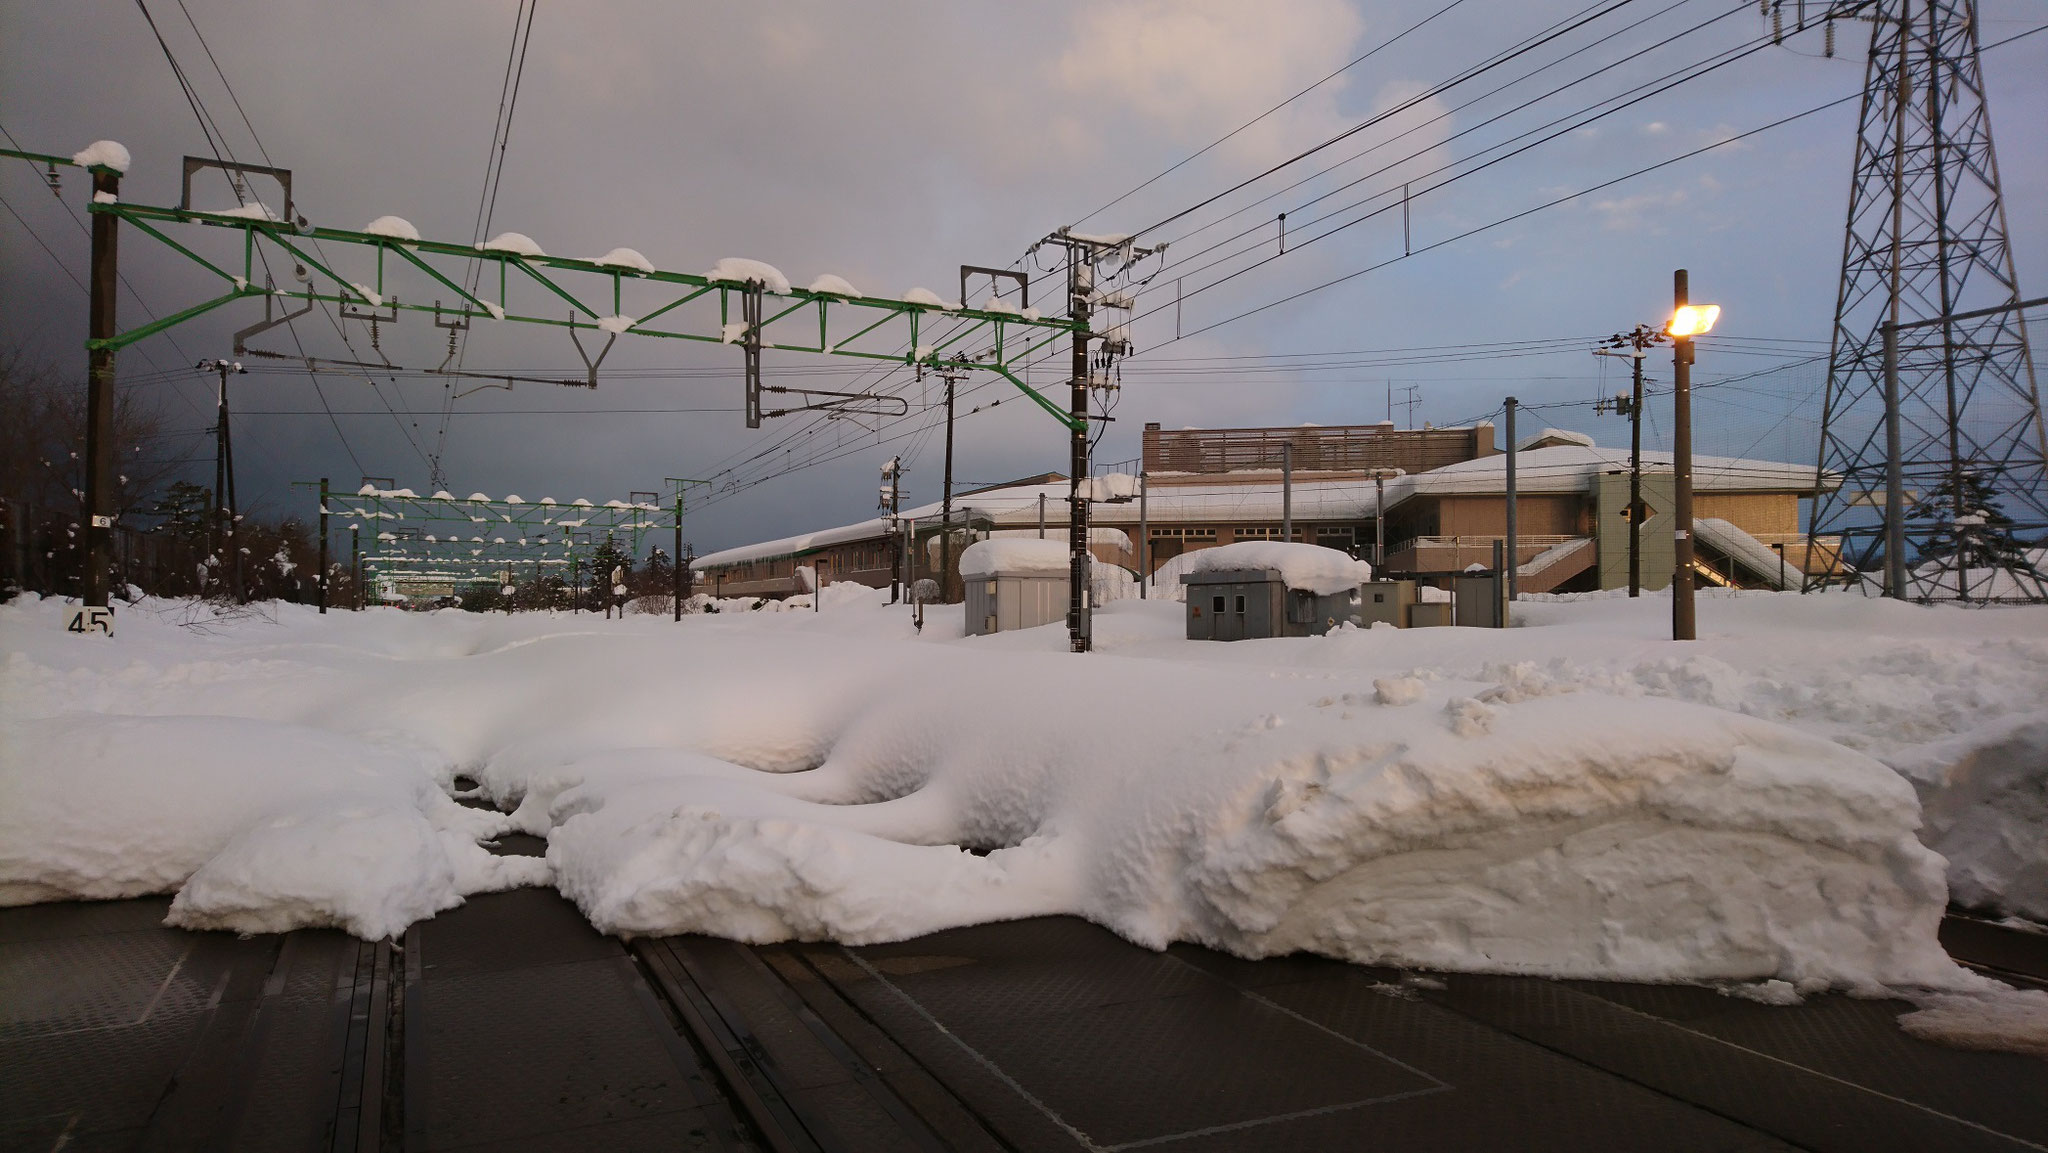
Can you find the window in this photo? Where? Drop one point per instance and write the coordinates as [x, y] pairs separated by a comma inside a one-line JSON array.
[[1240, 605], [1216, 605]]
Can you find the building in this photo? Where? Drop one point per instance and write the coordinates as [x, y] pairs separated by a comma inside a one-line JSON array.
[[1445, 504]]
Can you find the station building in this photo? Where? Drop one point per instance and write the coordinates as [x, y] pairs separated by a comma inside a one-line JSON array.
[[1425, 504]]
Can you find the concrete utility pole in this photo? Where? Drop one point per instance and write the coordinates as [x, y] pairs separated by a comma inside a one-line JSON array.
[[1287, 492], [323, 546], [892, 504], [1144, 537], [99, 397], [946, 497], [1083, 252], [355, 569], [1684, 626], [1512, 552], [1634, 344], [675, 595], [226, 511]]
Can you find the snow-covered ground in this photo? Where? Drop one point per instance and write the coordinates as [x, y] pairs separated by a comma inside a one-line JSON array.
[[1575, 796]]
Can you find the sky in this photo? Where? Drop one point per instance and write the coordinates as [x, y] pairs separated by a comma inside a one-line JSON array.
[[890, 144]]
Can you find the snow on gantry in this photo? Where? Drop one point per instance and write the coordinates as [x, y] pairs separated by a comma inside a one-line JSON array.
[[102, 154], [395, 227], [739, 270], [517, 243]]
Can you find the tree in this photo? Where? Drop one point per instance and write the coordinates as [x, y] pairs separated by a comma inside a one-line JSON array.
[[1964, 527], [603, 560]]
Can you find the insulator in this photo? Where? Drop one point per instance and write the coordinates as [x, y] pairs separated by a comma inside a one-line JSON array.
[[1829, 49], [1777, 24]]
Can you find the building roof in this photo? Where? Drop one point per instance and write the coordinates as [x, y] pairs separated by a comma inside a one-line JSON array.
[[1559, 469]]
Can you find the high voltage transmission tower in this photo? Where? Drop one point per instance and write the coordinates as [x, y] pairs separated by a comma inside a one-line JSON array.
[[1932, 423]]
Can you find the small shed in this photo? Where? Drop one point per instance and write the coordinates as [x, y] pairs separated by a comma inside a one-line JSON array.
[[1270, 589], [1014, 583]]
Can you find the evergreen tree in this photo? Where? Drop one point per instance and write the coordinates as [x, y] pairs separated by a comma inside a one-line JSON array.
[[598, 569], [1972, 532]]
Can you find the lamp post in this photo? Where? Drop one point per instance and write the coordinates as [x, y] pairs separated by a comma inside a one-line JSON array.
[[1687, 321]]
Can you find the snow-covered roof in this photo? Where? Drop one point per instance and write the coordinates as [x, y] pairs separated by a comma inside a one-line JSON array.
[[1569, 468], [1561, 469]]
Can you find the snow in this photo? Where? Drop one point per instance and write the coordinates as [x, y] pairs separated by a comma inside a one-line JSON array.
[[395, 227], [1324, 571], [616, 324], [517, 243], [1554, 437], [736, 270], [254, 210], [625, 258], [834, 286], [105, 198], [1576, 796], [929, 299], [102, 154], [998, 304], [1015, 556], [368, 294], [732, 331]]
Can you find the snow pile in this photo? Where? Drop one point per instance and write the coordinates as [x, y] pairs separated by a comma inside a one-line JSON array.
[[258, 826], [1323, 571], [834, 286], [625, 258], [1987, 812], [1015, 556], [517, 243], [737, 270], [396, 227], [616, 324], [102, 154]]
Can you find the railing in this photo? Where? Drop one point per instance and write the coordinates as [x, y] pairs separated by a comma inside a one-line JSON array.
[[1523, 542]]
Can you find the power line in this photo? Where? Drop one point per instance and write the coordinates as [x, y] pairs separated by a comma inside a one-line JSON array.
[[1375, 50]]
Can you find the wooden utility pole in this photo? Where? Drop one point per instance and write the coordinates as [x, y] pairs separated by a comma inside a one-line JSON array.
[[324, 575], [1512, 549]]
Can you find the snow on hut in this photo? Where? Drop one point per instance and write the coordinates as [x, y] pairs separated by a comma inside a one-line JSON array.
[[1014, 583], [1271, 589]]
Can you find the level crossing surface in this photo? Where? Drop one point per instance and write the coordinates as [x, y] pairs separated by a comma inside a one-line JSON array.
[[509, 1023]]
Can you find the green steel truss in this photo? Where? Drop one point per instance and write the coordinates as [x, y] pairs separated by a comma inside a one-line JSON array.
[[592, 296], [420, 543]]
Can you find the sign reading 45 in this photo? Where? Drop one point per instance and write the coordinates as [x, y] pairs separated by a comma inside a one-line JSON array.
[[85, 620]]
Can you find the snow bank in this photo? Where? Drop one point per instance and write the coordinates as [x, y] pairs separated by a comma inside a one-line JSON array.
[[1987, 812], [517, 243], [1324, 571], [259, 826], [1574, 797], [1015, 555], [102, 154], [625, 258], [396, 227], [738, 270]]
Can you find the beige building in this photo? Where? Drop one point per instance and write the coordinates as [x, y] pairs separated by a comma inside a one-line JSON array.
[[1445, 506]]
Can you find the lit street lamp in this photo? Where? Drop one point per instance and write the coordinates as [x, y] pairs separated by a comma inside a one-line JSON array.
[[1688, 320]]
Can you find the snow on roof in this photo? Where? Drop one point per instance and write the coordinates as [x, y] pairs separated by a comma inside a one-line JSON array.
[[1323, 571], [102, 154], [396, 227], [1566, 468], [1551, 437], [517, 243], [1569, 468], [739, 270], [1014, 555]]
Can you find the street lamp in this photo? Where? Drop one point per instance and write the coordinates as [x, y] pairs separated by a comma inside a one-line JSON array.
[[1688, 320]]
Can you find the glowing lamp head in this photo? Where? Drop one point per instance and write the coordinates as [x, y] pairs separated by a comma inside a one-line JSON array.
[[1693, 320]]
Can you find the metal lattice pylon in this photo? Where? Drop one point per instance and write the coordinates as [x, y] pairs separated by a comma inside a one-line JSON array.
[[1927, 240]]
